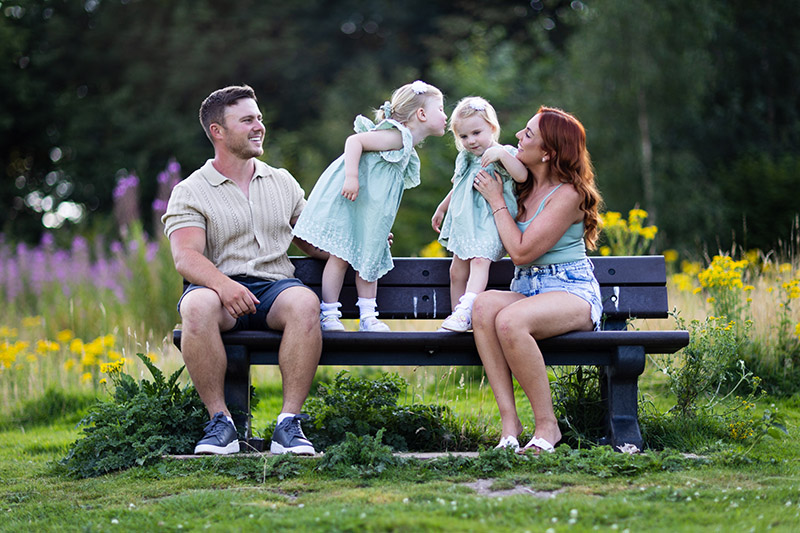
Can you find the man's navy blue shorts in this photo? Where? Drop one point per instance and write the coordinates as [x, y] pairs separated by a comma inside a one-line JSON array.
[[266, 292]]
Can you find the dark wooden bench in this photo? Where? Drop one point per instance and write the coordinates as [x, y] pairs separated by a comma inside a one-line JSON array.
[[419, 288]]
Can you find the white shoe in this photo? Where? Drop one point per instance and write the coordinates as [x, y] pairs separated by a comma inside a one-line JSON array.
[[509, 441], [331, 323], [372, 324], [460, 320]]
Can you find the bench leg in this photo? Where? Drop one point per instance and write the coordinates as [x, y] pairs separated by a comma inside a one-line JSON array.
[[622, 390], [237, 387]]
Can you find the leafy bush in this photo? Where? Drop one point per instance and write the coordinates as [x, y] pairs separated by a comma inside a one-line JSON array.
[[363, 406], [363, 456], [138, 424], [578, 404]]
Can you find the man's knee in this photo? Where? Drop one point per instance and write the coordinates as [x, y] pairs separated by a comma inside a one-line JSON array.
[[200, 307], [296, 306]]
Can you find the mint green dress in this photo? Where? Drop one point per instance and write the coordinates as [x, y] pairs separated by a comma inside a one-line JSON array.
[[468, 229], [358, 231]]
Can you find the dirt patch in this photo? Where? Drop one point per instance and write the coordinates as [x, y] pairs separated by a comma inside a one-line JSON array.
[[483, 487]]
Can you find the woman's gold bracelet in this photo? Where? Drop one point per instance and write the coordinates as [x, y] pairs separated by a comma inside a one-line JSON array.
[[499, 209]]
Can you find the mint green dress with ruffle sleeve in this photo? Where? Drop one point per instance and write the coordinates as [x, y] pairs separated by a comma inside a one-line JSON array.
[[358, 231], [469, 229]]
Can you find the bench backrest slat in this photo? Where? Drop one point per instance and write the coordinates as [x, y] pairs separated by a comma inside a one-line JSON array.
[[420, 288]]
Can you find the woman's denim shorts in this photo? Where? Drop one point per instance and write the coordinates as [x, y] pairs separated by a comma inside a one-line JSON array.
[[575, 278]]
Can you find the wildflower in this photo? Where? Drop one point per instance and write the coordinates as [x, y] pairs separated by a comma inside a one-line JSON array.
[[45, 346], [785, 268], [154, 358], [605, 250], [670, 256], [76, 346], [8, 333], [797, 330], [32, 321], [86, 377], [69, 364], [433, 249], [64, 335]]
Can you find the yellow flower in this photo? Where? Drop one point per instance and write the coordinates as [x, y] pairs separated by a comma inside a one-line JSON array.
[[8, 333], [152, 357], [103, 381], [69, 364], [87, 376], [711, 299], [433, 249], [670, 256], [45, 346], [797, 330], [65, 335], [605, 250], [637, 215], [76, 346], [784, 268], [114, 355], [683, 282], [32, 321]]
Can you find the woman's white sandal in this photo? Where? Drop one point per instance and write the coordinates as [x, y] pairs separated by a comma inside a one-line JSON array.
[[538, 443], [509, 441]]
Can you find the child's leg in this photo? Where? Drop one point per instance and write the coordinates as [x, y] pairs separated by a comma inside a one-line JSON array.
[[333, 278], [459, 275], [461, 318], [367, 304], [478, 274]]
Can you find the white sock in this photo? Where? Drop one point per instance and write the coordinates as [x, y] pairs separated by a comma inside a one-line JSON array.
[[284, 416], [466, 301], [366, 307], [328, 309]]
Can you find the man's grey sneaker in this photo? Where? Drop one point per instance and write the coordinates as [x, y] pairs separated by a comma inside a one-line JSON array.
[[288, 437], [372, 324], [331, 323], [220, 437]]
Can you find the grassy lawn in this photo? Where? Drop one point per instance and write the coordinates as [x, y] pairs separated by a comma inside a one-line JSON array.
[[588, 490]]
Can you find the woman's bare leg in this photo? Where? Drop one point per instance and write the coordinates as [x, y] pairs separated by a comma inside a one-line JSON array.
[[484, 314]]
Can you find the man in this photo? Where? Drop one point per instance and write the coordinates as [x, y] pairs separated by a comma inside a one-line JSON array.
[[230, 227]]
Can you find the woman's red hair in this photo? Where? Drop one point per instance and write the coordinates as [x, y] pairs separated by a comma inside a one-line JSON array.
[[564, 138]]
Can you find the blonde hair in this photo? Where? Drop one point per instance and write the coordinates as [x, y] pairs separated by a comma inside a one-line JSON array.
[[470, 106], [406, 101]]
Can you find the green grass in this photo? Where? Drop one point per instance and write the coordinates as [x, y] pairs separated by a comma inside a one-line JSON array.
[[585, 490]]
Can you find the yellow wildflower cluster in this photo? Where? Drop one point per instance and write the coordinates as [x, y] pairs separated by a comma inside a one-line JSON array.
[[626, 237], [723, 272], [115, 366], [10, 352], [740, 430], [792, 289]]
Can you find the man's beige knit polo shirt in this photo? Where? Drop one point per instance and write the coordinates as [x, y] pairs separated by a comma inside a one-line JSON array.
[[243, 238]]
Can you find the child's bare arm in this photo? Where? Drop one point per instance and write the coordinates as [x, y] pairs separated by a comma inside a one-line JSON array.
[[438, 216], [513, 166], [357, 144]]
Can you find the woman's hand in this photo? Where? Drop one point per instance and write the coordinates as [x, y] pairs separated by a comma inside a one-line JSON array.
[[491, 188]]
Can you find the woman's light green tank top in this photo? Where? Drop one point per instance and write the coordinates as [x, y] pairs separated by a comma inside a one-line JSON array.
[[570, 247]]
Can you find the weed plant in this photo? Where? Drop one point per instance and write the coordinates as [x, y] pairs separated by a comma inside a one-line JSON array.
[[364, 407], [139, 424]]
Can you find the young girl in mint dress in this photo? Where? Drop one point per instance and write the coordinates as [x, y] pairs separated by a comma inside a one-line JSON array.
[[351, 210], [469, 231]]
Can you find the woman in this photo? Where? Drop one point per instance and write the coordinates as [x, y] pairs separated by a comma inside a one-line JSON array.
[[554, 290]]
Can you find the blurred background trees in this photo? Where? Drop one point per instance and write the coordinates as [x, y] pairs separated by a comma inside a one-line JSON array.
[[690, 107]]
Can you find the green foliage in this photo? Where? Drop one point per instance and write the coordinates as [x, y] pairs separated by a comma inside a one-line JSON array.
[[361, 457], [54, 405], [362, 406], [578, 404], [140, 423], [710, 369]]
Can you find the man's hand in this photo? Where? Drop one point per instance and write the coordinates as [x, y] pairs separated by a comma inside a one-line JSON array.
[[237, 299]]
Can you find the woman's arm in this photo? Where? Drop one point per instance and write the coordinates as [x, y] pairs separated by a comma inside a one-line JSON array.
[[357, 144], [560, 212]]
